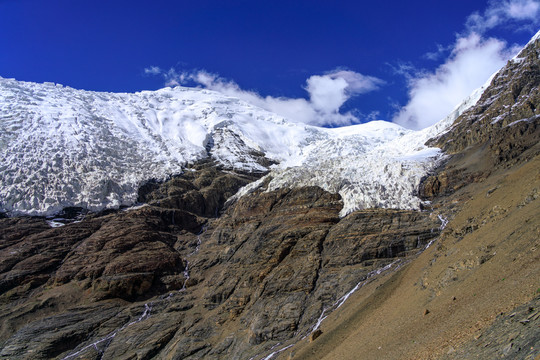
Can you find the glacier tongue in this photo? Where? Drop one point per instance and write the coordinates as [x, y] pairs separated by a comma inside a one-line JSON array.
[[64, 147], [378, 164]]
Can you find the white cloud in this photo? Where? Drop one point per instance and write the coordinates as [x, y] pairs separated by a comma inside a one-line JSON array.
[[152, 70], [524, 10], [434, 95], [356, 82], [502, 12], [438, 54], [327, 93], [472, 60]]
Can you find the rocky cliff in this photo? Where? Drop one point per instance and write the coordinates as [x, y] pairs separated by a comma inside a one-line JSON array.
[[228, 287], [499, 131]]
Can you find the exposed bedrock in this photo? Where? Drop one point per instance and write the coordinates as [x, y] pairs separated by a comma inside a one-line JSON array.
[[226, 287]]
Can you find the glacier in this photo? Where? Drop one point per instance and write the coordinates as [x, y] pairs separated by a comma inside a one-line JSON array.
[[63, 147]]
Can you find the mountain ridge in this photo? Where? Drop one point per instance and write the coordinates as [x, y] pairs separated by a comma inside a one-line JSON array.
[[59, 154]]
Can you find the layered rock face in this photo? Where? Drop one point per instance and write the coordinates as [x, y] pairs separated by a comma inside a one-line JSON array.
[[228, 287], [505, 119], [500, 130]]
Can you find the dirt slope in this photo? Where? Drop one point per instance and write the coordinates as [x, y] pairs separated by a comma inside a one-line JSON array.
[[486, 262]]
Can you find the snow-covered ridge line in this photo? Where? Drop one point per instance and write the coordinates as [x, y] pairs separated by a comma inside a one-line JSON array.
[[63, 147]]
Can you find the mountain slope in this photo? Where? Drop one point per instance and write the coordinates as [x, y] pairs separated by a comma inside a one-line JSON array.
[[71, 148]]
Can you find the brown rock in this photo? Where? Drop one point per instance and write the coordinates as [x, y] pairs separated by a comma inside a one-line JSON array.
[[314, 335], [201, 192], [505, 122]]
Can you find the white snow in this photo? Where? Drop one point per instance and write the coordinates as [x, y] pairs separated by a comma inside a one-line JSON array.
[[517, 59], [523, 120], [377, 164], [64, 147]]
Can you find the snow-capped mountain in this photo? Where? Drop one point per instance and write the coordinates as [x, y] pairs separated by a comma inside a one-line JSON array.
[[277, 273], [65, 147]]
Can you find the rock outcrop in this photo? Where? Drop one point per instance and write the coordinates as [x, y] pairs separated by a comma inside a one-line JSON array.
[[501, 130], [513, 335], [228, 287], [505, 119]]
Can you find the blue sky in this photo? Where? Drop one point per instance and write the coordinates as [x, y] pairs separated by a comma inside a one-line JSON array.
[[321, 62]]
